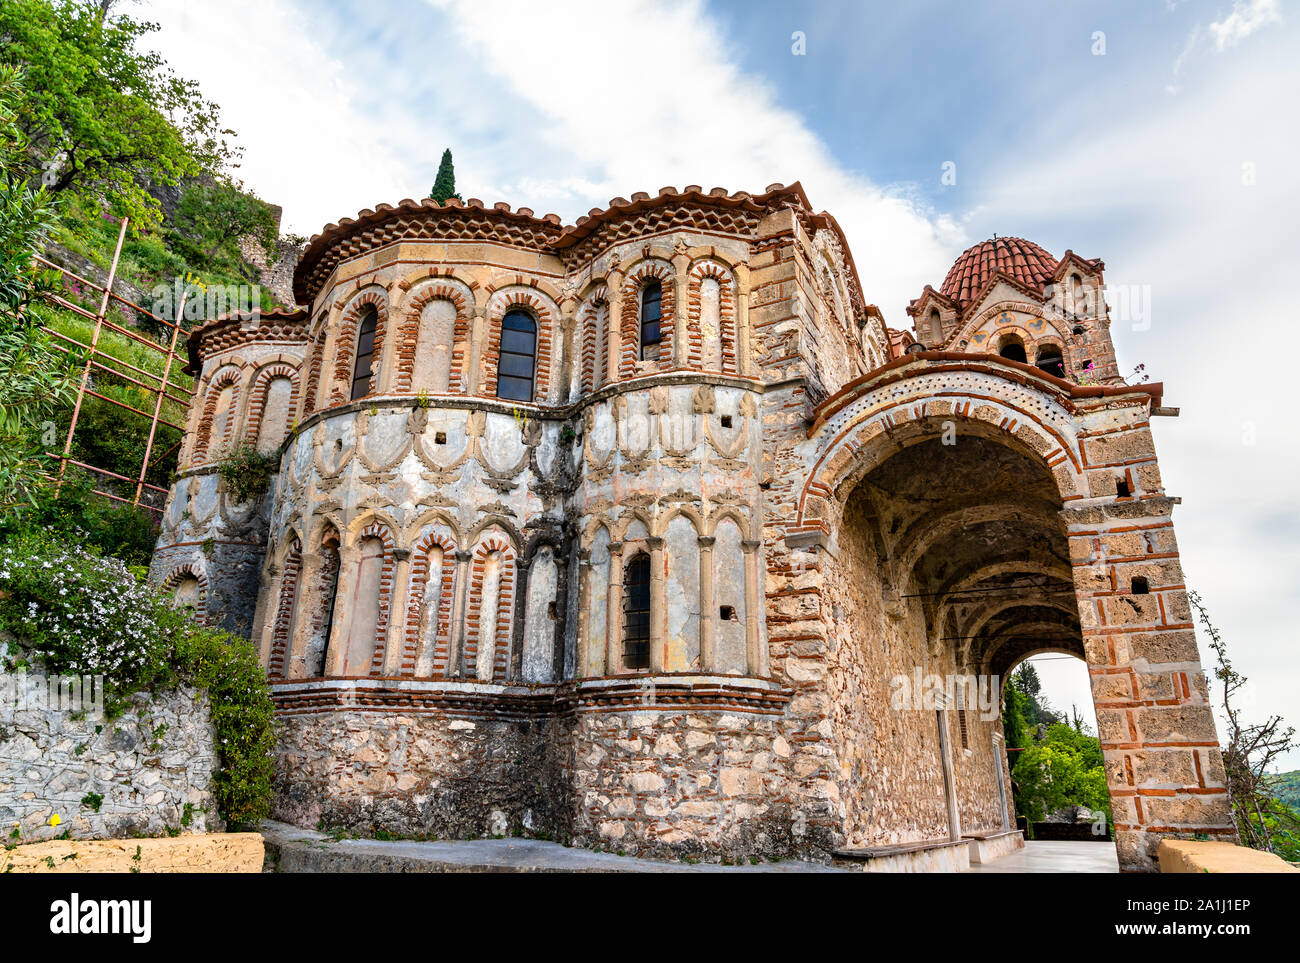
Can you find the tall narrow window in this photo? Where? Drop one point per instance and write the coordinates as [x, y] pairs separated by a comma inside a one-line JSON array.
[[518, 356], [651, 313], [636, 613], [936, 326], [365, 352]]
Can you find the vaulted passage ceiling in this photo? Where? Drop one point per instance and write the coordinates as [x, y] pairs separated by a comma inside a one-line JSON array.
[[971, 530]]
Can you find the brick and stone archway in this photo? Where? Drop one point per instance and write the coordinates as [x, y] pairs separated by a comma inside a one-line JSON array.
[[964, 516]]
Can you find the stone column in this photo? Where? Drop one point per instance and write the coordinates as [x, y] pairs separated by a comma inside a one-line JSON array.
[[614, 334], [268, 601], [744, 364], [459, 609], [614, 625], [395, 641], [949, 787], [755, 652], [707, 662], [681, 309], [336, 649], [1154, 718], [477, 336], [656, 546], [561, 615]]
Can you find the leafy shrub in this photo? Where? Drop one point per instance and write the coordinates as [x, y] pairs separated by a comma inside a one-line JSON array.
[[74, 513], [247, 472], [74, 611]]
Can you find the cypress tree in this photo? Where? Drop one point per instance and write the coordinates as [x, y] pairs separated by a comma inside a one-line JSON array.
[[444, 185]]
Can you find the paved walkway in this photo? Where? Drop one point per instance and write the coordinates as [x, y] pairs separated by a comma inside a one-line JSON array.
[[294, 850], [1055, 857]]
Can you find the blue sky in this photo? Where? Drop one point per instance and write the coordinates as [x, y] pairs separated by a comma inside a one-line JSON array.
[[1173, 156]]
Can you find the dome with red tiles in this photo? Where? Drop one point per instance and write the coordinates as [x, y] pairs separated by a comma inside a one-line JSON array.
[[1023, 260]]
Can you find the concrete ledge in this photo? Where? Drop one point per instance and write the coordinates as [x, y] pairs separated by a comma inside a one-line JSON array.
[[214, 853], [986, 847], [291, 849], [926, 856], [1206, 856]]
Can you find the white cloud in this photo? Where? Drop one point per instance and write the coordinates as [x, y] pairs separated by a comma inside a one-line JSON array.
[[542, 111], [1247, 17], [1157, 190], [671, 107]]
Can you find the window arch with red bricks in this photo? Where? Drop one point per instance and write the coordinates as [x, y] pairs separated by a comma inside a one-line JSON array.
[[634, 285], [432, 349], [272, 403], [188, 586], [371, 302], [314, 367], [282, 632], [431, 590], [368, 602], [593, 353], [491, 607], [535, 306], [216, 424], [711, 318]]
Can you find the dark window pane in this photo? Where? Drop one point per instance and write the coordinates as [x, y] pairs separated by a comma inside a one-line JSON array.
[[515, 389], [518, 321], [650, 333], [519, 365], [366, 342], [520, 342]]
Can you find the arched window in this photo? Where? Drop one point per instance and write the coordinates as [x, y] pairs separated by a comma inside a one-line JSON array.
[[365, 352], [636, 613], [518, 356], [651, 313], [1013, 349], [1050, 360], [936, 326]]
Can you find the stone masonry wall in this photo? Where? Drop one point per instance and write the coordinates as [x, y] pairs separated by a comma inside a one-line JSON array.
[[147, 764]]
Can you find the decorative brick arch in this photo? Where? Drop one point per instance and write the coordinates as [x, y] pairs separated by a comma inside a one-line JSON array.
[[379, 530], [630, 323], [291, 571], [858, 435], [315, 364], [493, 543], [345, 348], [257, 398], [535, 303], [178, 575], [594, 352], [408, 334], [414, 597], [224, 378], [726, 314], [1155, 724]]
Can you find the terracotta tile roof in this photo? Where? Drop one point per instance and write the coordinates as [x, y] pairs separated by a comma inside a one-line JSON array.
[[1021, 260]]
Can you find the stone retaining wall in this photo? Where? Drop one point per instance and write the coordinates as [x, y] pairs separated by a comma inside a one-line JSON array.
[[147, 765]]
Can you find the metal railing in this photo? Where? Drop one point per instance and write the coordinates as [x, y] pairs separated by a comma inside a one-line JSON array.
[[135, 491]]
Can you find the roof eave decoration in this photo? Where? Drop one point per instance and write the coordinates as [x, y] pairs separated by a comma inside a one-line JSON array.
[[194, 340]]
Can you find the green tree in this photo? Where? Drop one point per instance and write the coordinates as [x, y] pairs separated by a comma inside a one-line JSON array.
[[1064, 769], [103, 118], [444, 185], [1263, 820], [1014, 726], [33, 382]]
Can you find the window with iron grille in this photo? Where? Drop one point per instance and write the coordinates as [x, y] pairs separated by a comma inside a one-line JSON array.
[[636, 613]]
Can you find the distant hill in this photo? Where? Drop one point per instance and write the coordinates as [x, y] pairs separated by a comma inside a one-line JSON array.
[[1287, 785]]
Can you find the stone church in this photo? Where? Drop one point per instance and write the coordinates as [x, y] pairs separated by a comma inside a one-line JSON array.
[[630, 533]]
